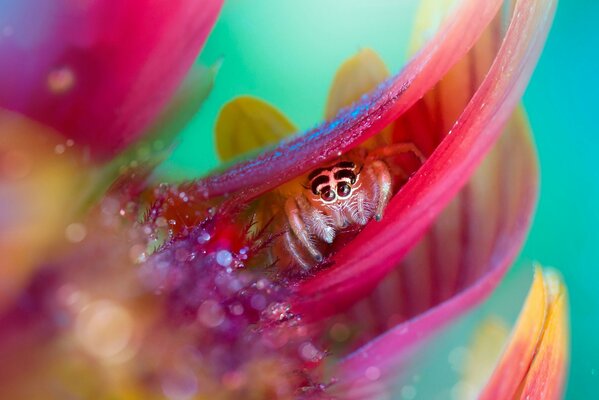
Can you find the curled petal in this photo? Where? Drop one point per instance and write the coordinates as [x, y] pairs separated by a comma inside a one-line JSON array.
[[368, 117], [395, 299], [378, 247], [534, 364], [66, 64]]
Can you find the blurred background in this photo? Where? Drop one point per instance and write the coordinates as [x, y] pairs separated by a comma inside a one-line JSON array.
[[287, 54]]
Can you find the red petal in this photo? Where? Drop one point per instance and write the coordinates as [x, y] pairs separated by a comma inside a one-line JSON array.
[[368, 117], [67, 65], [378, 248]]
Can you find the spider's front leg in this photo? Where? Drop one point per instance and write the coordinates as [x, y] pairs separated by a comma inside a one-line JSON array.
[[318, 223], [299, 228], [382, 184]]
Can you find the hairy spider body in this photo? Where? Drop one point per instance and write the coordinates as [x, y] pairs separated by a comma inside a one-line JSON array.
[[350, 191]]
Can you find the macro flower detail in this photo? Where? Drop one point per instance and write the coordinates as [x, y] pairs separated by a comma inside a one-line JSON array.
[[310, 265]]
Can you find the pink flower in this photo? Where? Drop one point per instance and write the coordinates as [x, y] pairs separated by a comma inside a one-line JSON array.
[[206, 289]]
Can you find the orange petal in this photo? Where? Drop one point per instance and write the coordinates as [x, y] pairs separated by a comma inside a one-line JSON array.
[[247, 123], [535, 362]]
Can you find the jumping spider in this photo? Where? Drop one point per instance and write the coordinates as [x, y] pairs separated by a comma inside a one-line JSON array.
[[351, 191]]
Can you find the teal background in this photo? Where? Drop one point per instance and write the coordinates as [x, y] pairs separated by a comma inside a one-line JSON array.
[[287, 53]]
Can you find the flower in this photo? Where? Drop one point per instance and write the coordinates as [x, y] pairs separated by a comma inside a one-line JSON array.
[[181, 290], [98, 73]]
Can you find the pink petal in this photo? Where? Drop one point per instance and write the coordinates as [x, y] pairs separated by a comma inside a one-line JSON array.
[[368, 117], [378, 248], [512, 167], [98, 72]]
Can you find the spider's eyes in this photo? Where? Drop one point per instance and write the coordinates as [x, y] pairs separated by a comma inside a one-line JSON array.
[[343, 189], [327, 194]]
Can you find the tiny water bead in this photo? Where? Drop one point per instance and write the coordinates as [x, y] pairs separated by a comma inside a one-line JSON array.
[[61, 80], [224, 258], [75, 232], [104, 329]]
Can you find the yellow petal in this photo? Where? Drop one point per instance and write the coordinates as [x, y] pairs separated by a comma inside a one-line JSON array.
[[546, 376], [534, 362], [38, 177], [247, 123], [358, 75], [428, 19], [481, 358]]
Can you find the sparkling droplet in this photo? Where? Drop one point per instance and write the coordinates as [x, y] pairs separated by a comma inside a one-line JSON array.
[[224, 258], [211, 314], [59, 148], [104, 329], [310, 353], [203, 237], [258, 302], [75, 232], [61, 80], [372, 373], [180, 385], [278, 312]]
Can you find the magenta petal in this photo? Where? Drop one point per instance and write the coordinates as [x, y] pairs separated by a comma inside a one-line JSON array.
[[512, 165], [368, 117], [377, 249], [99, 72]]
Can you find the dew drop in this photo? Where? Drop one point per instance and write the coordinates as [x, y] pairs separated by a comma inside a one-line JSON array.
[[211, 314], [372, 373], [75, 232], [310, 353], [61, 80], [203, 237], [180, 385], [224, 258]]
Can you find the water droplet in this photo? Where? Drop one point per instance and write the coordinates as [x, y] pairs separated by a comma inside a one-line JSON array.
[[104, 329], [59, 148], [408, 392], [211, 314], [224, 258], [61, 80], [75, 232], [258, 302], [372, 373], [310, 353], [236, 309], [203, 237], [278, 312], [180, 385]]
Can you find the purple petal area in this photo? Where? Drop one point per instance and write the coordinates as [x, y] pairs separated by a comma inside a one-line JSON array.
[[378, 248], [368, 117]]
